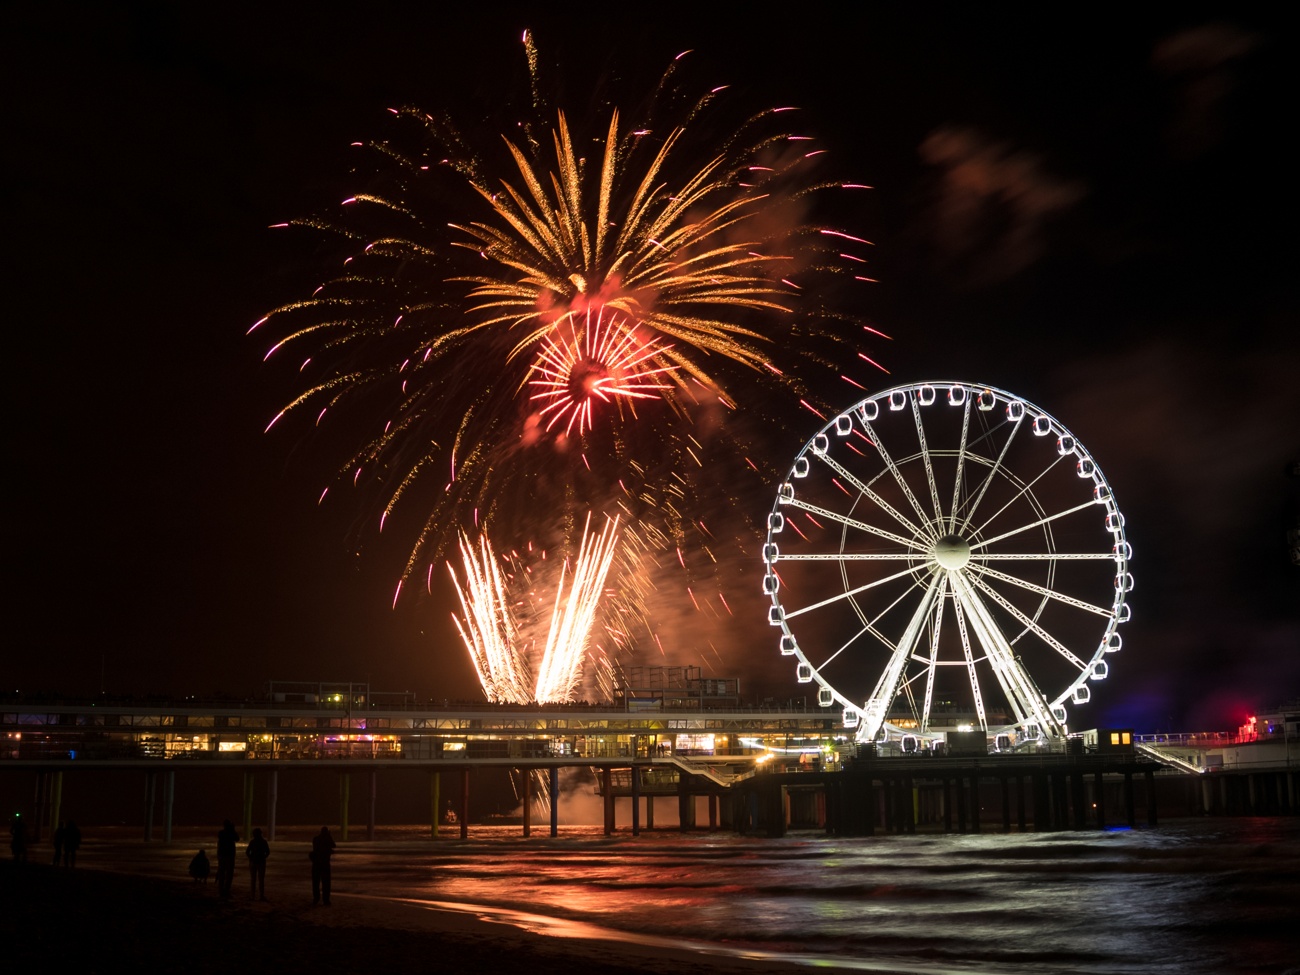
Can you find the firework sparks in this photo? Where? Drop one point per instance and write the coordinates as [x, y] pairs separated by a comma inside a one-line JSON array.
[[494, 638], [603, 361], [571, 622], [487, 627]]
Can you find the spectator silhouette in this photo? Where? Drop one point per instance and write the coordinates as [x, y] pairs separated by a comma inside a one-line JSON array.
[[59, 834], [226, 842], [71, 841], [200, 868], [322, 848], [257, 852]]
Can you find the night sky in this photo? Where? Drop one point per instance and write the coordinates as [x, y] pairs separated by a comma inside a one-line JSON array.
[[1096, 215]]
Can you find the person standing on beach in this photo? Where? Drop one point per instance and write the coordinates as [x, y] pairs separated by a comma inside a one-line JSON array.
[[226, 843], [59, 834], [322, 848], [257, 852]]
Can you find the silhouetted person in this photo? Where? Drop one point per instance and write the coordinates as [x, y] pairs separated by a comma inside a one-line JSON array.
[[322, 848], [18, 838], [226, 841], [200, 868], [71, 842], [257, 852], [59, 834]]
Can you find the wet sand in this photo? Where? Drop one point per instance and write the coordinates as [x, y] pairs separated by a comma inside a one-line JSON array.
[[105, 921]]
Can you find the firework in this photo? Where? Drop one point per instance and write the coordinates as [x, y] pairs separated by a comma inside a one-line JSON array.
[[500, 316], [487, 626], [494, 637], [603, 361]]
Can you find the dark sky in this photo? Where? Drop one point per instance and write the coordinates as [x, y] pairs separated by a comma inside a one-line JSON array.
[[1096, 215]]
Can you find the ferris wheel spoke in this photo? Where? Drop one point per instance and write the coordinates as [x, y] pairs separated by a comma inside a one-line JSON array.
[[961, 464], [855, 557], [971, 673], [993, 471], [877, 706], [906, 543], [893, 469], [925, 459], [1034, 524], [1019, 494], [1060, 597], [934, 653], [790, 614], [1030, 624], [867, 492], [1048, 556], [1026, 700]]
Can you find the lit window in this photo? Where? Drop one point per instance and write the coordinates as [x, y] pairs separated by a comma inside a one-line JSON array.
[[1114, 737]]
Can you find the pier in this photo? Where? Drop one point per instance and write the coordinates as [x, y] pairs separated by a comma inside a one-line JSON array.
[[758, 770]]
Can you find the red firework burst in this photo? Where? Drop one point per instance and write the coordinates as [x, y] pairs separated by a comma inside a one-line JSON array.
[[598, 359]]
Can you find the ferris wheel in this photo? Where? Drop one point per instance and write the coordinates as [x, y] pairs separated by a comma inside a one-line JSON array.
[[945, 554]]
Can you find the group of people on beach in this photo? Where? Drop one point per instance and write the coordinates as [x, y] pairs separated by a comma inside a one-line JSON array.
[[66, 841], [257, 852]]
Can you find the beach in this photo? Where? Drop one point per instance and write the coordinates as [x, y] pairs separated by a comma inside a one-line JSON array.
[[106, 921]]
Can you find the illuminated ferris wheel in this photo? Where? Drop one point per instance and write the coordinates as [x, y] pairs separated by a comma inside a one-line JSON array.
[[944, 554]]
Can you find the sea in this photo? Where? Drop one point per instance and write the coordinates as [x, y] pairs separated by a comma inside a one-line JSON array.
[[1190, 897]]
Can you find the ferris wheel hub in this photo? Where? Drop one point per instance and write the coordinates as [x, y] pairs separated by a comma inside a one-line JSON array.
[[952, 552]]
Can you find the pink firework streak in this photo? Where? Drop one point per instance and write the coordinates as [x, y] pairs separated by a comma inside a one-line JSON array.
[[604, 360]]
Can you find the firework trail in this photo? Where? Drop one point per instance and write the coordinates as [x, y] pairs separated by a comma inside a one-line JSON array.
[[496, 640], [487, 626], [566, 642]]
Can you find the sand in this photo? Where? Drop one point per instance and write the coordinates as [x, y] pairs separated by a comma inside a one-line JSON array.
[[95, 920]]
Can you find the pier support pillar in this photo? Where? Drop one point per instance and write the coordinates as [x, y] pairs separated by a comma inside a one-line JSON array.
[[1151, 797], [975, 803], [56, 800], [345, 802], [607, 793], [1006, 803], [169, 805], [1099, 798], [649, 811], [685, 802], [527, 775], [713, 811], [1079, 803], [1130, 815], [272, 800], [555, 800], [1022, 823], [150, 788], [636, 801], [374, 797], [435, 802], [464, 804], [959, 787], [39, 801], [945, 801], [247, 809]]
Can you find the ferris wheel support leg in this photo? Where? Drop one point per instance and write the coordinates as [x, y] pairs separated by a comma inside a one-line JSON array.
[[877, 706], [1025, 698]]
